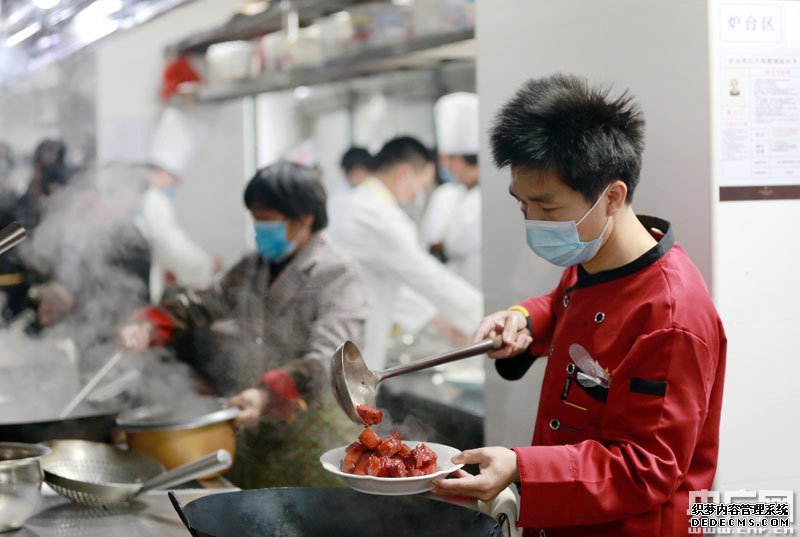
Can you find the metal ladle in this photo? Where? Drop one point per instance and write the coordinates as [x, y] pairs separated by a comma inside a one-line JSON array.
[[354, 384]]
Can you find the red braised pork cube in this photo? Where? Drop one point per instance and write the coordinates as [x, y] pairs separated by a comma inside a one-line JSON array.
[[368, 415], [404, 452], [389, 447], [397, 468], [369, 439], [378, 466], [423, 456], [351, 457], [429, 469], [362, 467]]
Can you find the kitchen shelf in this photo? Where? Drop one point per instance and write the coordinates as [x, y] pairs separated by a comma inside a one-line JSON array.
[[244, 27], [424, 52]]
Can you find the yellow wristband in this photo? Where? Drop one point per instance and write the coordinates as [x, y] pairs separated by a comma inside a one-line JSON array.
[[520, 309]]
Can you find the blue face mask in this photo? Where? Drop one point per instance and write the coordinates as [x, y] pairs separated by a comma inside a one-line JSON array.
[[272, 242], [171, 192], [445, 175], [559, 242]]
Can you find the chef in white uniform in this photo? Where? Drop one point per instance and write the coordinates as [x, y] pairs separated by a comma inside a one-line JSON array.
[[370, 227], [172, 150], [451, 228]]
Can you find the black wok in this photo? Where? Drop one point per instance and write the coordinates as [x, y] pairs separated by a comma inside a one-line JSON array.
[[306, 512], [92, 425]]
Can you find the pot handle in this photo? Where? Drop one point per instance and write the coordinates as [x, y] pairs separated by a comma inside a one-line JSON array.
[[504, 508], [176, 504]]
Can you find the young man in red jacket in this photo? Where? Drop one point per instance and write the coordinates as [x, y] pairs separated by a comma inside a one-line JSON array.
[[628, 420]]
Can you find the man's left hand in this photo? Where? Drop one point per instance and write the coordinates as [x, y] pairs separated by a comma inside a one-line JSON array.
[[499, 468]]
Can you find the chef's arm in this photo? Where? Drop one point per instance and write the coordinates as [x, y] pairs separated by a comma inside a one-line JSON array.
[[455, 299], [655, 411], [178, 317], [172, 248], [341, 316], [176, 251]]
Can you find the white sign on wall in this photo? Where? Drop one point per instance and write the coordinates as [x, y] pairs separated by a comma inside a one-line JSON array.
[[757, 95]]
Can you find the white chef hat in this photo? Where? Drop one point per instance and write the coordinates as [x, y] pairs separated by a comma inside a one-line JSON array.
[[456, 117], [175, 142]]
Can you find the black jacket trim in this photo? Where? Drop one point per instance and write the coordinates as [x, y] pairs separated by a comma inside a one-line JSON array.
[[655, 253]]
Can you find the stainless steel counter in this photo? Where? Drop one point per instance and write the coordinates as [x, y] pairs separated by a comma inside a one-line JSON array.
[[151, 515]]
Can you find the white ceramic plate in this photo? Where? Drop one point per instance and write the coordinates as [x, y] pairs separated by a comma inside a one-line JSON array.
[[393, 486]]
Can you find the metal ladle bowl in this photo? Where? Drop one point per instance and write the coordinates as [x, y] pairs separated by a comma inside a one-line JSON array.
[[354, 384]]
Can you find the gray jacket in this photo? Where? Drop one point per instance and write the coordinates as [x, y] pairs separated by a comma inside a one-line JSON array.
[[255, 324]]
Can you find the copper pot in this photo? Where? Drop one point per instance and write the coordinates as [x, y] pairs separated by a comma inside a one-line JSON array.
[[175, 439]]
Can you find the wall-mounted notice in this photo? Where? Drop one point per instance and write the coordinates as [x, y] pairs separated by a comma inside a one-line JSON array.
[[757, 98]]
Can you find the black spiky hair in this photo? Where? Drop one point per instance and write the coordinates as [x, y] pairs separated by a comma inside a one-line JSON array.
[[585, 134]]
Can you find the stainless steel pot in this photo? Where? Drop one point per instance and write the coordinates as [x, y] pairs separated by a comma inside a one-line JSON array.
[[20, 482]]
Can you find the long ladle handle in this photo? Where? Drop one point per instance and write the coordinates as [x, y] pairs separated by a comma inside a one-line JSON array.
[[469, 351], [11, 235]]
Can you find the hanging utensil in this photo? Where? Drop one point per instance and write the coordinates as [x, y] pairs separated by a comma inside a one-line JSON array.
[[354, 384], [591, 372], [78, 399], [11, 235], [94, 474]]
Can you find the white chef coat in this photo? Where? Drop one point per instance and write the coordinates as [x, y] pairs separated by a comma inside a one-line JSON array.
[[453, 217], [368, 225], [171, 247]]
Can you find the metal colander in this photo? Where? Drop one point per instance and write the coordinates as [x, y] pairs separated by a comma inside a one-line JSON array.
[[94, 474]]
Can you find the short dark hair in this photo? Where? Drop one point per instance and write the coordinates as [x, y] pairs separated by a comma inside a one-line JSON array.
[[403, 150], [584, 134], [471, 159], [291, 189], [355, 157]]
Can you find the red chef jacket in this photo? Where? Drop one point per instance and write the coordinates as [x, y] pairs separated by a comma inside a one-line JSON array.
[[621, 460]]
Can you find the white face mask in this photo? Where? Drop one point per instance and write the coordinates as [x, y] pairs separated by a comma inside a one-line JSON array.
[[559, 242]]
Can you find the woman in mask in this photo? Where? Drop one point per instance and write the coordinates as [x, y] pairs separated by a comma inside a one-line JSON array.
[[273, 322]]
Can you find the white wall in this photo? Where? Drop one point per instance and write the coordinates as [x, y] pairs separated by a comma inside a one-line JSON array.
[[656, 49], [129, 67], [757, 293]]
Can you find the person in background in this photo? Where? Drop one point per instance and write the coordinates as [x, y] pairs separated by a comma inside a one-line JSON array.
[[80, 239], [26, 287], [6, 167], [451, 226], [369, 226], [629, 413], [356, 165], [8, 194], [173, 251], [275, 319], [50, 173]]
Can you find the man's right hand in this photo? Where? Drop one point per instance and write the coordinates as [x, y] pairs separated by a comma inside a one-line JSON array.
[[136, 337], [512, 325]]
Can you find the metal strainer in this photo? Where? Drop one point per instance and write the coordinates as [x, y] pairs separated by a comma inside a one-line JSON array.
[[95, 474]]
